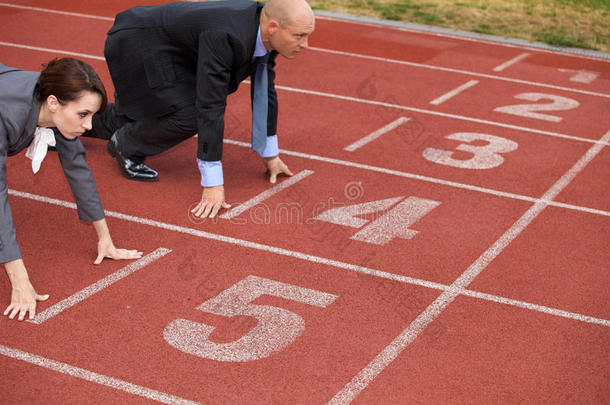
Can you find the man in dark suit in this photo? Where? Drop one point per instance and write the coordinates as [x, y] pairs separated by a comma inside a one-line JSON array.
[[173, 67]]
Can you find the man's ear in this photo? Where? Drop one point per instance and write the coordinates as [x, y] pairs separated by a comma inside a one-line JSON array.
[[53, 103], [273, 26]]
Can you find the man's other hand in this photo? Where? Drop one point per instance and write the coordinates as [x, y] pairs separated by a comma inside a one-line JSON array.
[[212, 200], [276, 167]]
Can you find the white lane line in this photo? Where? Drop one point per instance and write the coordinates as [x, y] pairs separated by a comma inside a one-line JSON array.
[[407, 336], [511, 62], [98, 286], [239, 242], [404, 29], [49, 50], [93, 377], [46, 10], [354, 99], [454, 92], [463, 36], [376, 58], [536, 307], [316, 259], [374, 135], [265, 195], [437, 113], [395, 172], [459, 71], [426, 178]]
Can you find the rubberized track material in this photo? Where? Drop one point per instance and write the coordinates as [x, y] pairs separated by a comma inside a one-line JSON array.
[[444, 238]]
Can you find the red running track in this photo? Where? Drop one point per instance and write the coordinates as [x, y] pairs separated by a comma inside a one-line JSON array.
[[460, 256]]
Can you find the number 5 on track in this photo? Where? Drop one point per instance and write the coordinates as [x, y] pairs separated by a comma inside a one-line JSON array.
[[276, 328]]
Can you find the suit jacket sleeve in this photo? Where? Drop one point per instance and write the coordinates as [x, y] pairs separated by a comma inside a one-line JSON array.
[[9, 248], [73, 161], [215, 62]]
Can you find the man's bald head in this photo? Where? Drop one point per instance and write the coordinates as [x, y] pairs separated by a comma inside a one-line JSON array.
[[286, 26], [288, 12]]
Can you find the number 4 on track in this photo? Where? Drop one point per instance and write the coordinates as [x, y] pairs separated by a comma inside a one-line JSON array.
[[392, 224]]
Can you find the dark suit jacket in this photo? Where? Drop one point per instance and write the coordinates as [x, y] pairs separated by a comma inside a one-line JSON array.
[[19, 111], [164, 57]]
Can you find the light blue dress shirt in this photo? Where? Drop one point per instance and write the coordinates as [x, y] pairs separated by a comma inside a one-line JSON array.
[[211, 172]]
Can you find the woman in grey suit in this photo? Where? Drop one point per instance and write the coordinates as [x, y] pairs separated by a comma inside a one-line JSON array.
[[52, 107]]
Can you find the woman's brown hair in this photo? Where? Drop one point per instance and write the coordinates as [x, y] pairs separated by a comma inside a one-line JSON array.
[[66, 79]]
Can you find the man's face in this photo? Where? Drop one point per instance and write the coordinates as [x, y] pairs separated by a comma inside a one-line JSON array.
[[290, 39]]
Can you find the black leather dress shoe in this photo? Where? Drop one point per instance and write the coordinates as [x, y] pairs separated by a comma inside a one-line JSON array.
[[130, 169]]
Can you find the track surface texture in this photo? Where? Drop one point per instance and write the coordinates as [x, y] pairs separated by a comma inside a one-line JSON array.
[[444, 238]]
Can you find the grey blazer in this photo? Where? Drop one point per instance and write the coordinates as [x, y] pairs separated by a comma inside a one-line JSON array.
[[19, 111]]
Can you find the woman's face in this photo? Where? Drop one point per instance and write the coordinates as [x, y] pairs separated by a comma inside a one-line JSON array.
[[74, 117]]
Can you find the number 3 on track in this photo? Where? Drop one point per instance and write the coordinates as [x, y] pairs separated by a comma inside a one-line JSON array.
[[484, 157], [276, 328]]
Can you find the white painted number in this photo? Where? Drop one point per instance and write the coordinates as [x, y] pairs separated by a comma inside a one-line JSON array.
[[276, 327], [484, 157], [581, 76], [392, 224], [527, 110], [347, 215], [396, 223]]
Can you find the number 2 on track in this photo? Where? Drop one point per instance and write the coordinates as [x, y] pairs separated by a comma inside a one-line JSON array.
[[276, 327], [527, 110]]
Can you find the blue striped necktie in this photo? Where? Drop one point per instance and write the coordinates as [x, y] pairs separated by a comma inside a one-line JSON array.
[[260, 106]]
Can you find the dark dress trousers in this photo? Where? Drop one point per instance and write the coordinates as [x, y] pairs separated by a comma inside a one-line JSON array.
[[173, 67], [19, 112]]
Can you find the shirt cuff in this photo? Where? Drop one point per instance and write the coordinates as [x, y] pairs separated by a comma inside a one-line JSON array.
[[211, 173], [271, 148]]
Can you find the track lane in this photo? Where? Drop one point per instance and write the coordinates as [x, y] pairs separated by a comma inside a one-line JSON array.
[[108, 176]]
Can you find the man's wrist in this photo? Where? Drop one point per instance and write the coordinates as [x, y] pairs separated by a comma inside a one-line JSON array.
[[271, 147], [211, 173]]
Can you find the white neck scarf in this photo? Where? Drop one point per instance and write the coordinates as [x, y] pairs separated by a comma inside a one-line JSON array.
[[43, 138]]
